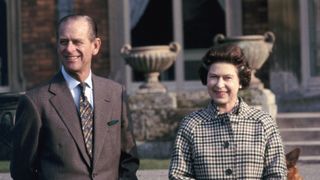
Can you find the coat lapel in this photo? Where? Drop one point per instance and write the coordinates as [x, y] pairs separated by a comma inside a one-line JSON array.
[[102, 114], [67, 111]]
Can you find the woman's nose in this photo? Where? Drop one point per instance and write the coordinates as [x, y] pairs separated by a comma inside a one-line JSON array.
[[220, 82]]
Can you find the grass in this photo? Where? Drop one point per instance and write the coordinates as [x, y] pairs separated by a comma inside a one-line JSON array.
[[145, 164], [4, 166]]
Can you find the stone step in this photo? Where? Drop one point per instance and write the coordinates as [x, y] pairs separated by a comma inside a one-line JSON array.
[[309, 159], [298, 120], [301, 130], [300, 134], [308, 148]]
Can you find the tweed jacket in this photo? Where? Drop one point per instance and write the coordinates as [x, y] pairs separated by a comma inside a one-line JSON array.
[[244, 144], [48, 141]]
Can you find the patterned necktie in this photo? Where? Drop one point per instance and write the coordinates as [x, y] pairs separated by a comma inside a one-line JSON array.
[[86, 115]]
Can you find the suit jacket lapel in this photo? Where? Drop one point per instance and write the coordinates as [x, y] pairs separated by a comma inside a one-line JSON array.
[[65, 107], [102, 114]]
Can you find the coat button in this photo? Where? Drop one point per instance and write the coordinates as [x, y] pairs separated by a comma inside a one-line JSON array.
[[94, 175], [228, 172], [226, 144]]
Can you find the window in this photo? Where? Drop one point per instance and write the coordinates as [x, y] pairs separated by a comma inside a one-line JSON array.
[[310, 46], [314, 15], [3, 46], [155, 27], [11, 74], [202, 20], [193, 24]]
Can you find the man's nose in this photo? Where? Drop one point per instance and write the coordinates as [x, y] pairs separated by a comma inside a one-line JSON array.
[[70, 46]]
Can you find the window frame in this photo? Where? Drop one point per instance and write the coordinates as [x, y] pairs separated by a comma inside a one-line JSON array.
[[16, 81], [310, 84]]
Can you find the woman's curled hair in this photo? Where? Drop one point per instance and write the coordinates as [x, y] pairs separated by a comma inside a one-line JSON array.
[[228, 54]]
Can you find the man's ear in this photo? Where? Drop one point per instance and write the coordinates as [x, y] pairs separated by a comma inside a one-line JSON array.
[[97, 45]]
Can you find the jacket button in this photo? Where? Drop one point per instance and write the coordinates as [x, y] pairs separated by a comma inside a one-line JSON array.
[[226, 144], [94, 175], [228, 172]]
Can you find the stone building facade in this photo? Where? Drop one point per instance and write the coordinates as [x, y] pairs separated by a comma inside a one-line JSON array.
[[292, 72]]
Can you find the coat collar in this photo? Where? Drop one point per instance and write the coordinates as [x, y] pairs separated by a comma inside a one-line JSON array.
[[65, 107], [240, 110]]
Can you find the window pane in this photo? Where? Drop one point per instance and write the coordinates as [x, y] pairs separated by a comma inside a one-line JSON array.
[[315, 37], [202, 20], [155, 27], [191, 69], [3, 46]]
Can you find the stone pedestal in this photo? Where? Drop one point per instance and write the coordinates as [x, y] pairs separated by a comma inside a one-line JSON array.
[[260, 98], [155, 120]]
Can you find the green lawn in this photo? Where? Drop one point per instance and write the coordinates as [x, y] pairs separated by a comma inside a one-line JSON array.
[[4, 166], [154, 164], [144, 164]]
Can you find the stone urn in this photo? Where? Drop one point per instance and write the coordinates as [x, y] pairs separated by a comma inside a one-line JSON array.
[[151, 60], [256, 48]]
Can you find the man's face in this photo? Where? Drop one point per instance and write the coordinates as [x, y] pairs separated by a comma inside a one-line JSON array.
[[75, 47], [223, 85]]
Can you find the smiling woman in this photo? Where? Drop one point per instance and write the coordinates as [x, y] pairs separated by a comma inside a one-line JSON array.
[[213, 141]]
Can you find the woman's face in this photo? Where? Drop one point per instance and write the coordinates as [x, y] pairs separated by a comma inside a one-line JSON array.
[[223, 85]]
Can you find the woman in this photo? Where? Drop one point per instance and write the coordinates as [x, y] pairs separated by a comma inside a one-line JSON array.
[[227, 139]]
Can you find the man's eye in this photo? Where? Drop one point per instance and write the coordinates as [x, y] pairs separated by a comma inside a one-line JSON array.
[[63, 42], [77, 42]]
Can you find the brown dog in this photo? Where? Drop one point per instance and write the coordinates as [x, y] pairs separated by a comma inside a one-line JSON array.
[[291, 159]]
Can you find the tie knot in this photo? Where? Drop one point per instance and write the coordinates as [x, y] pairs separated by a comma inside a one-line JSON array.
[[82, 86]]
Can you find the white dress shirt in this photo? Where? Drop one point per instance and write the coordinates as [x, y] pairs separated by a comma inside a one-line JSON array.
[[75, 89]]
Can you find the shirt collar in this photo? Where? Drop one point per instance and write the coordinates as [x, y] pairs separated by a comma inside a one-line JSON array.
[[73, 83], [215, 109]]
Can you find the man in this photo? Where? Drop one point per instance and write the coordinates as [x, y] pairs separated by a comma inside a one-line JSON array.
[[227, 139], [76, 125]]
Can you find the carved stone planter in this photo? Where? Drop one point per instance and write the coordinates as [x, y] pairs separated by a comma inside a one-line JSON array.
[[151, 60], [256, 48]]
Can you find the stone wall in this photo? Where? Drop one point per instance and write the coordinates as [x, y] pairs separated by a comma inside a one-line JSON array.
[[156, 117]]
